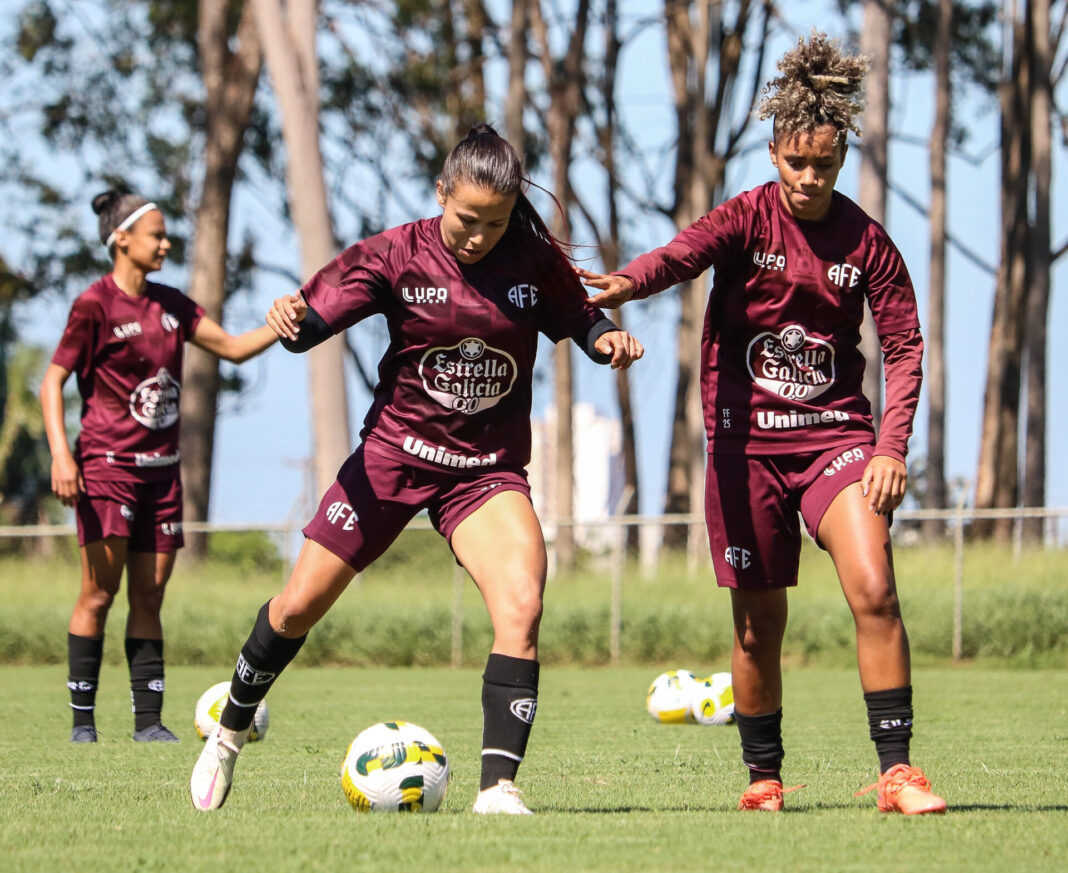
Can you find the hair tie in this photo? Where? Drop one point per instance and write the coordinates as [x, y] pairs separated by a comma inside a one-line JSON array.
[[128, 221], [822, 83]]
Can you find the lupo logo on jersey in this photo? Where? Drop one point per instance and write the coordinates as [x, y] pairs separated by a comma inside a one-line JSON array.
[[154, 402], [791, 363], [469, 376]]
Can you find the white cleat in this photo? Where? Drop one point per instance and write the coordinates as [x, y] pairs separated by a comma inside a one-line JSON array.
[[213, 773], [502, 798]]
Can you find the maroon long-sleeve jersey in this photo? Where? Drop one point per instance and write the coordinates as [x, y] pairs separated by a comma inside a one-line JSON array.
[[454, 386], [782, 369]]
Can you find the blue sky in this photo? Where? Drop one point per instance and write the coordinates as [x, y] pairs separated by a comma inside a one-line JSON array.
[[263, 438]]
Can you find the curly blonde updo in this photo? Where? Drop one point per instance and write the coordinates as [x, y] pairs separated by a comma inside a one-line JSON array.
[[819, 86]]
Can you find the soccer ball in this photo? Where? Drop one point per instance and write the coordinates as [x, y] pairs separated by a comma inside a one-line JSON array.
[[210, 706], [395, 766], [713, 700], [670, 696]]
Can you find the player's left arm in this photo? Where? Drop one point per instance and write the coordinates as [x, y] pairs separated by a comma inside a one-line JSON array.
[[893, 305], [210, 336]]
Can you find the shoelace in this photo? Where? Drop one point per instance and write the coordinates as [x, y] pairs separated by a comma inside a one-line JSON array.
[[895, 781], [771, 792]]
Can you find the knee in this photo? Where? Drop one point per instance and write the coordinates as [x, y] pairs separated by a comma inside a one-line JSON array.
[[760, 632], [524, 604], [875, 598], [147, 599], [96, 602], [291, 617]]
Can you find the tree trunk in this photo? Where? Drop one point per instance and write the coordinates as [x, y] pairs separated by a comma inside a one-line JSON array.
[[565, 79], [997, 478], [230, 78], [517, 72], [706, 140], [1034, 484], [289, 47], [610, 261], [876, 37], [934, 494]]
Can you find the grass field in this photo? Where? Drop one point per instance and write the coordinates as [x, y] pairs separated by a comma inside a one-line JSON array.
[[613, 790]]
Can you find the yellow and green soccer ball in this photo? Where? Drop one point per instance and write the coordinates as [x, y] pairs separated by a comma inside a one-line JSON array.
[[713, 700], [210, 706], [669, 698], [395, 766]]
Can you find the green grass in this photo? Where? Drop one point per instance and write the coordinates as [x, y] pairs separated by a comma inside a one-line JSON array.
[[613, 791], [399, 613]]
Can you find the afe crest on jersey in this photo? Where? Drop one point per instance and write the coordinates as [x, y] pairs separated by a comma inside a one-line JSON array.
[[844, 275], [791, 363], [154, 403], [469, 376]]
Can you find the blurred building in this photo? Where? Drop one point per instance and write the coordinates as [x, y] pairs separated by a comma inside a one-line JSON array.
[[598, 472]]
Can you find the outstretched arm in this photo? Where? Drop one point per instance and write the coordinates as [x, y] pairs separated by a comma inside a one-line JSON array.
[[210, 336]]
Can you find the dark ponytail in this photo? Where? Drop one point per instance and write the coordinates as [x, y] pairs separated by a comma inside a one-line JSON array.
[[485, 159]]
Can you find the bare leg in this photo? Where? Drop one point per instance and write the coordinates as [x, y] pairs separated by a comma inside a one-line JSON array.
[[858, 541], [756, 669]]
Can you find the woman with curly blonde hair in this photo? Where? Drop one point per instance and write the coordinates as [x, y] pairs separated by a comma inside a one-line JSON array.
[[789, 428]]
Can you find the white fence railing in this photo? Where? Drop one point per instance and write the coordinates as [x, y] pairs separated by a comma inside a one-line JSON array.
[[956, 520]]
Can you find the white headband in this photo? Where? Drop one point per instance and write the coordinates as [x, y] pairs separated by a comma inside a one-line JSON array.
[[128, 221]]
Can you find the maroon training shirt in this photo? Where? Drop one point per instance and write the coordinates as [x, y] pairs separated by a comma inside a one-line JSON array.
[[454, 386], [782, 366], [127, 354]]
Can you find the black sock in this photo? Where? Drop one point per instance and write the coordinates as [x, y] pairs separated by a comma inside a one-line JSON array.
[[890, 724], [762, 751], [84, 655], [145, 658], [509, 702], [264, 655]]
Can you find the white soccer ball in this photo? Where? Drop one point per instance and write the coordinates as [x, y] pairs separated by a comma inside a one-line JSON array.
[[713, 700], [670, 696], [395, 766], [210, 706]]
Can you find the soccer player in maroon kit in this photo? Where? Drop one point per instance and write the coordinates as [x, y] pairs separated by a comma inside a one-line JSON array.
[[789, 428], [124, 339], [465, 296]]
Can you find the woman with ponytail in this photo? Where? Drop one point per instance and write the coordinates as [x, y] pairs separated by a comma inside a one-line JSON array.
[[124, 339], [465, 296], [789, 428]]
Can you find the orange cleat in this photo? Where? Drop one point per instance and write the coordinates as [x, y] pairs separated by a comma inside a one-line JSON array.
[[903, 788], [765, 795]]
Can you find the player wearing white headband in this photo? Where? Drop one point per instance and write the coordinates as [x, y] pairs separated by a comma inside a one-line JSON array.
[[124, 339]]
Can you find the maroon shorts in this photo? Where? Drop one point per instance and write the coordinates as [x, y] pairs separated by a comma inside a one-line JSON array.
[[751, 507], [377, 494], [148, 514]]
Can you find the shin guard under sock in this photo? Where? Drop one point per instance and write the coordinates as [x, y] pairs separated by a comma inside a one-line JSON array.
[[145, 658], [890, 724], [762, 751], [265, 654], [84, 655], [509, 702]]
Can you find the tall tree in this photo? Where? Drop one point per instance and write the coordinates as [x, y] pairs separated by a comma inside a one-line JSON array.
[[934, 494], [288, 38], [1041, 259], [711, 117], [875, 42], [997, 476], [230, 63], [564, 76]]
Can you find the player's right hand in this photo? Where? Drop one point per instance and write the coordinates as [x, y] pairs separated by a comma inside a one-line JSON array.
[[67, 482], [285, 315], [615, 290]]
